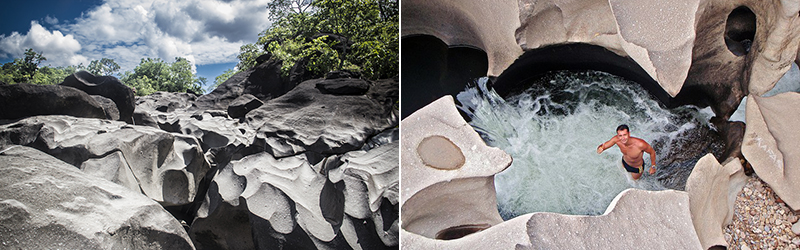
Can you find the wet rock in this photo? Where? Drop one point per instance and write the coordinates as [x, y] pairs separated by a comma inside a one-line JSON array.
[[166, 167], [49, 204], [243, 104], [770, 143], [468, 185], [106, 86], [712, 189], [26, 100], [305, 119]]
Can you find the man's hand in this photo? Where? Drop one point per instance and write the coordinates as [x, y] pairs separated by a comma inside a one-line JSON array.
[[600, 149], [652, 169]]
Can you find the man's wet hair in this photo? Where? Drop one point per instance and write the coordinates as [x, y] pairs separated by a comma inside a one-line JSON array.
[[623, 127]]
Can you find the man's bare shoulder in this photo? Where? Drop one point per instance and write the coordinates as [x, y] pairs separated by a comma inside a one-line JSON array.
[[640, 143]]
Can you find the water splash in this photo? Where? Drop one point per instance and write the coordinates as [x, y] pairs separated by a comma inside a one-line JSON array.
[[552, 131]]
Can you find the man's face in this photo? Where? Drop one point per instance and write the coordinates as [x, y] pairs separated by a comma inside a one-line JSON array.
[[623, 135]]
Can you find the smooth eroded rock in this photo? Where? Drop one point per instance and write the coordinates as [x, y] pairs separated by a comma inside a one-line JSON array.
[[166, 167], [712, 189], [439, 201], [306, 119], [25, 100], [49, 204], [771, 143], [106, 86]]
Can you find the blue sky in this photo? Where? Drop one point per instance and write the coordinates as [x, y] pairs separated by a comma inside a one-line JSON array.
[[69, 32]]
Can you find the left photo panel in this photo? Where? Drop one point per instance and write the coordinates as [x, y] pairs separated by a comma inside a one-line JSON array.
[[199, 124]]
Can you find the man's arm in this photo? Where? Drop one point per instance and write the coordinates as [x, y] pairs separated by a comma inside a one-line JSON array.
[[649, 149], [607, 144]]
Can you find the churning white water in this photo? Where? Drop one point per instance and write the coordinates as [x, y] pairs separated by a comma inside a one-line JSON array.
[[552, 131]]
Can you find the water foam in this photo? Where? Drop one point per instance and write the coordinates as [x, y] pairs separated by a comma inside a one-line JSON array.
[[552, 131]]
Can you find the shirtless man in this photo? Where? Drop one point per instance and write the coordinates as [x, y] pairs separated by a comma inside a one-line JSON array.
[[632, 149]]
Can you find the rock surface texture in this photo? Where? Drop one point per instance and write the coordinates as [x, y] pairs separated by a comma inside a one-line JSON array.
[[25, 100], [448, 174], [48, 204], [256, 164], [712, 189], [771, 143]]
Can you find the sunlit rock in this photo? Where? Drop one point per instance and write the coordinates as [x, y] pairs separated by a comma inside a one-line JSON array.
[[635, 219], [712, 189], [659, 36], [509, 234], [488, 25], [49, 204], [164, 166], [777, 37], [448, 174], [771, 143]]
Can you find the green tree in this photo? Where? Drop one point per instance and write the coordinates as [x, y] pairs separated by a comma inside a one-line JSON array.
[[105, 67], [52, 75], [371, 26], [22, 69], [153, 74]]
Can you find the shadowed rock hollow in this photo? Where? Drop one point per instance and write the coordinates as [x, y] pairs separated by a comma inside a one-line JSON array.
[[259, 163]]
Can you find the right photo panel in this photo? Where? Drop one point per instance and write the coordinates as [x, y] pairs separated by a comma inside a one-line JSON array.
[[599, 124]]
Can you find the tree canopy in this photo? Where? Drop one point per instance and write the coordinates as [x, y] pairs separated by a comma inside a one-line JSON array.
[[303, 29], [153, 74]]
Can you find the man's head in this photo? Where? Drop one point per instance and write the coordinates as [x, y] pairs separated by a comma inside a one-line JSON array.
[[623, 133]]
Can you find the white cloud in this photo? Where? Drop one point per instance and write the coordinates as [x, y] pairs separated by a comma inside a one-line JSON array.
[[50, 20], [203, 31], [59, 49]]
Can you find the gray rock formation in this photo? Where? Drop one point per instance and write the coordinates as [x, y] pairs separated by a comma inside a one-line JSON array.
[[306, 119], [243, 104], [106, 86], [25, 100], [109, 107], [770, 143], [52, 205], [166, 167], [712, 189], [263, 81], [290, 203], [448, 174]]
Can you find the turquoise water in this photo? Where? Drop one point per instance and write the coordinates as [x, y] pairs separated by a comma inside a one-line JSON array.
[[552, 131]]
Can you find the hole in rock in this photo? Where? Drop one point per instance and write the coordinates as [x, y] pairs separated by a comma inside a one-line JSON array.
[[460, 231], [740, 30], [551, 111], [440, 153]]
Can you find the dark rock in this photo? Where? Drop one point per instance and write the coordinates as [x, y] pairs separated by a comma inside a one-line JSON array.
[[343, 86], [263, 81], [243, 104], [337, 42], [305, 119], [166, 167], [107, 86], [164, 102], [300, 73], [342, 74], [263, 58], [49, 204], [25, 100], [144, 119], [109, 107]]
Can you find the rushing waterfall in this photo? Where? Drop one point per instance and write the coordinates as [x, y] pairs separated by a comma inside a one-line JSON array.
[[552, 131]]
